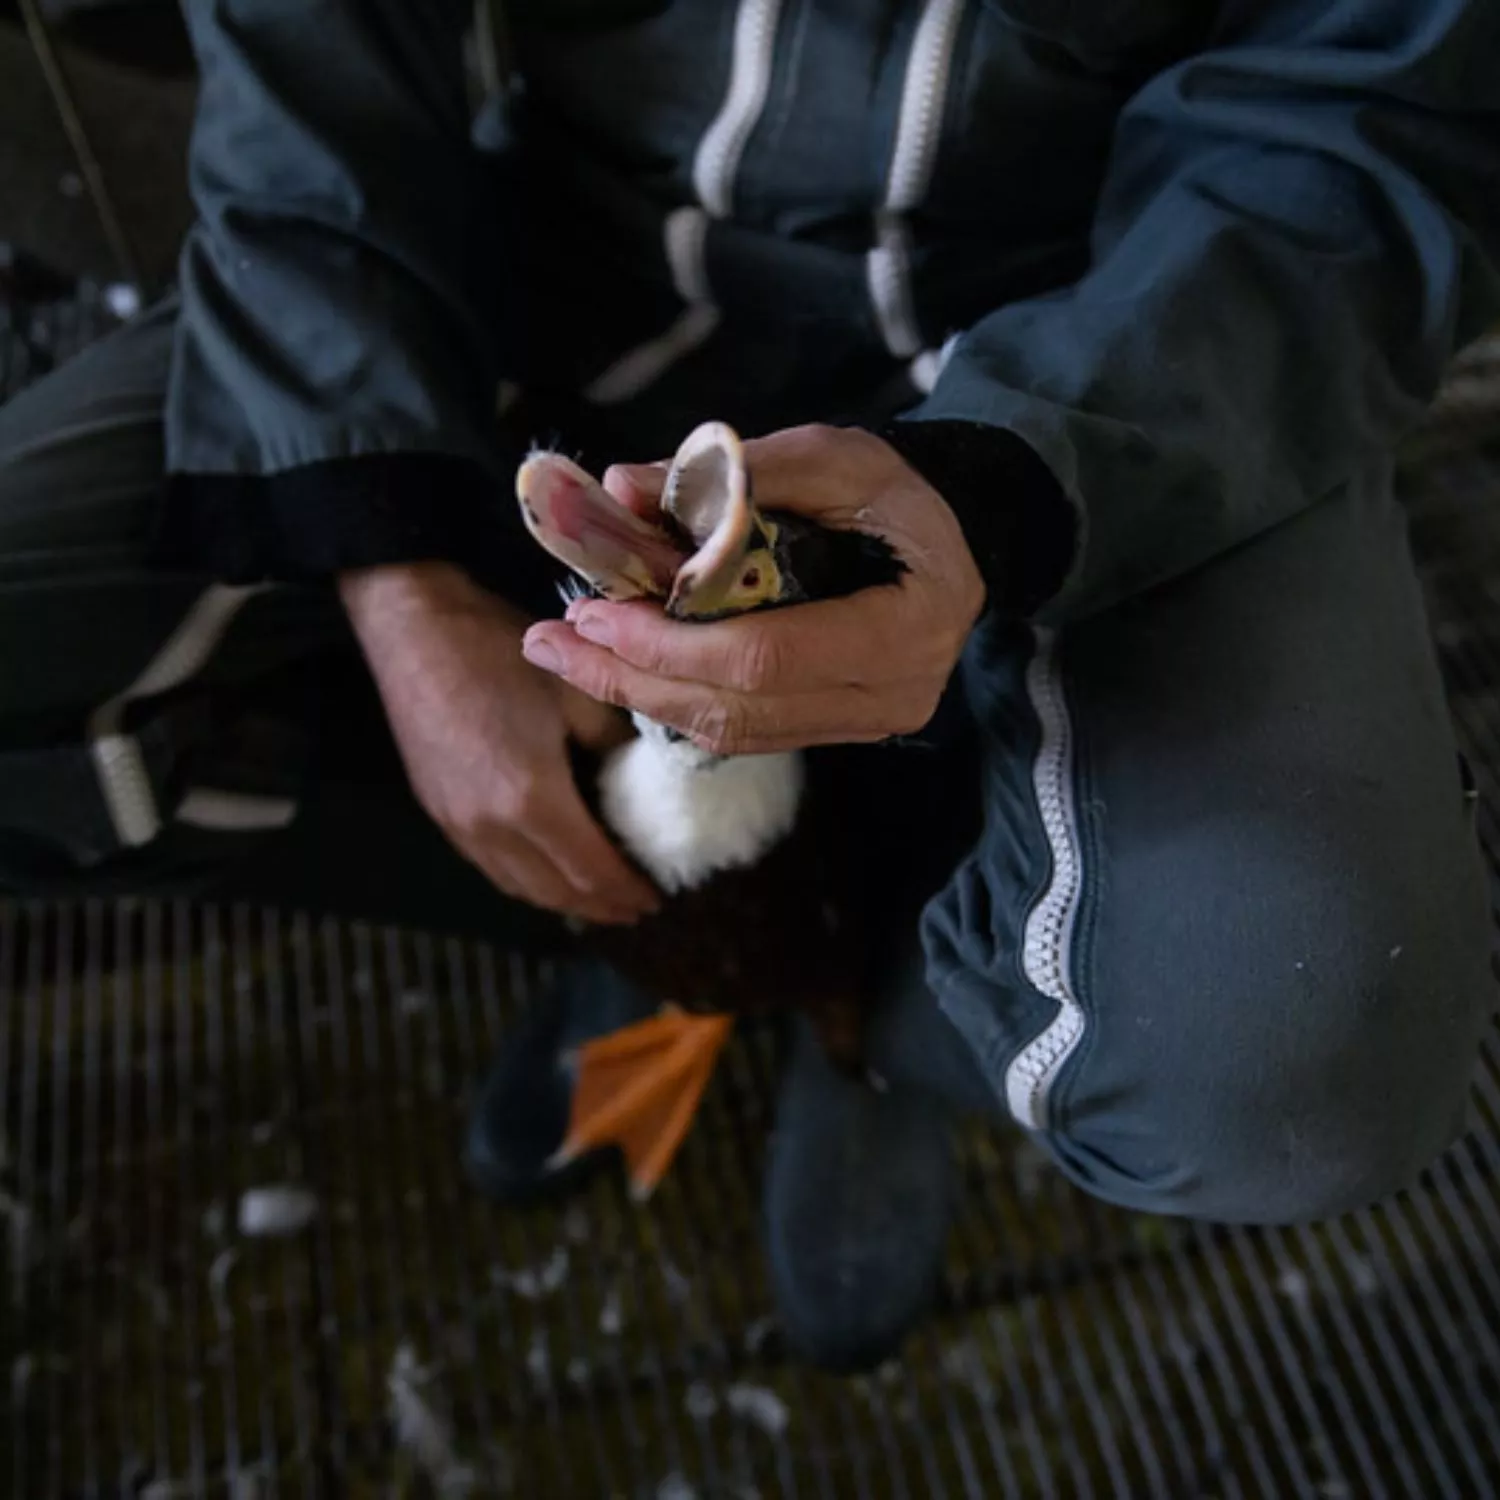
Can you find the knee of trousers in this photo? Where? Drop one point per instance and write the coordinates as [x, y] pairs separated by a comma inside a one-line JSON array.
[[1259, 1051], [1324, 1079]]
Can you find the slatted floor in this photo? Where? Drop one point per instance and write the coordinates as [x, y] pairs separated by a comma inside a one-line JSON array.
[[167, 1070], [159, 1063]]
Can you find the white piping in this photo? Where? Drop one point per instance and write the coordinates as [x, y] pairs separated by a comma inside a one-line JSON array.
[[719, 152], [715, 165], [918, 127], [234, 812], [645, 364], [118, 759], [686, 235], [1046, 948], [930, 364], [925, 369], [888, 272]]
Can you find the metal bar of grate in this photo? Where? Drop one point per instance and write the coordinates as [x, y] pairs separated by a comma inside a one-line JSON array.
[[220, 1165], [298, 1313]]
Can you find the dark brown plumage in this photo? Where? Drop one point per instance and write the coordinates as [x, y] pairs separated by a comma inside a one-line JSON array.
[[786, 933]]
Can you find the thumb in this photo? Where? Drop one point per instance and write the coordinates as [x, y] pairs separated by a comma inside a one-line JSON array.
[[814, 471], [637, 487]]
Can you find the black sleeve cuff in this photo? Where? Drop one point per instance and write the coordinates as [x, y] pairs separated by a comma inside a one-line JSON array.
[[324, 518], [1015, 515]]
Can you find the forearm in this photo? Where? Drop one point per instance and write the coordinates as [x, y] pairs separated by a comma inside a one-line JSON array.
[[404, 612]]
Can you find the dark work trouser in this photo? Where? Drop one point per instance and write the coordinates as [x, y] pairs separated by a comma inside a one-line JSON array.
[[1220, 943]]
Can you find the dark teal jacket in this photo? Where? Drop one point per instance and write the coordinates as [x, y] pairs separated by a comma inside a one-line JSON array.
[[1139, 279]]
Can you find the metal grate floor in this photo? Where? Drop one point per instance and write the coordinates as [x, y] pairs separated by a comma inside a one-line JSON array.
[[160, 1063]]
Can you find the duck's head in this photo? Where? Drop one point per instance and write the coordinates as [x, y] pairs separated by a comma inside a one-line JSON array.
[[711, 553]]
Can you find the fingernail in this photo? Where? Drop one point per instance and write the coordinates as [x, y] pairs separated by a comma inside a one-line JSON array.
[[593, 627], [542, 653]]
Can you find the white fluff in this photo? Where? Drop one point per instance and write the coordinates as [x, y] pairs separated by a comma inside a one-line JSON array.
[[539, 1361], [283, 1208], [611, 1315], [23, 1246], [214, 1220], [677, 1287], [532, 1283], [760, 1405], [422, 1430], [1364, 1276], [1294, 1286], [699, 1401], [123, 300], [218, 1286], [686, 815], [758, 1332]]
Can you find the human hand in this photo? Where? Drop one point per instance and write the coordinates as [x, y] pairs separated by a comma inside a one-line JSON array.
[[861, 668], [484, 739]]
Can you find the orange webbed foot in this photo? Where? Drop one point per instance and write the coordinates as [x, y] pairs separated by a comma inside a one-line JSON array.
[[638, 1088]]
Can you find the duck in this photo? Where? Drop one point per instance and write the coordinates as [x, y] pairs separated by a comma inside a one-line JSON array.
[[755, 855]]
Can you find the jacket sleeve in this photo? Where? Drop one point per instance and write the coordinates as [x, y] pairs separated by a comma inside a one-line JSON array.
[[340, 340], [1298, 229]]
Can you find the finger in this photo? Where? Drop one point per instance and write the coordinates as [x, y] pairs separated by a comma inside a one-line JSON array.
[[847, 479], [520, 871], [725, 721], [848, 716], [854, 641], [638, 487], [781, 463], [523, 871], [584, 855]]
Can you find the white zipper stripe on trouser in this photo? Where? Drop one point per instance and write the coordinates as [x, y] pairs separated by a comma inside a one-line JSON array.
[[118, 758], [715, 165], [1046, 950], [918, 126]]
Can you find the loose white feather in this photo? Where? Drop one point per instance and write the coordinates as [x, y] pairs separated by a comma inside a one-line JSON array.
[[760, 1405], [276, 1209]]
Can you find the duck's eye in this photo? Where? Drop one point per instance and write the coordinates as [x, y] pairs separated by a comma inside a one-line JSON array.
[[751, 578]]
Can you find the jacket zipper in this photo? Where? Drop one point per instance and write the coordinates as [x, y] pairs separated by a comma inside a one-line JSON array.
[[715, 166], [723, 144], [1048, 939], [924, 93]]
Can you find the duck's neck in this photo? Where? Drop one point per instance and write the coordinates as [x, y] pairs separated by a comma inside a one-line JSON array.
[[685, 814]]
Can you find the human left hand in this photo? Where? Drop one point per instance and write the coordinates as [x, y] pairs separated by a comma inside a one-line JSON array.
[[857, 669]]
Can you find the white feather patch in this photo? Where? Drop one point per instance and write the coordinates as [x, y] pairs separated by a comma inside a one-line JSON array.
[[685, 814]]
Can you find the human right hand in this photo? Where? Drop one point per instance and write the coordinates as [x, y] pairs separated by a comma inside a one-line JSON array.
[[483, 735]]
